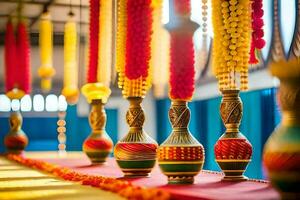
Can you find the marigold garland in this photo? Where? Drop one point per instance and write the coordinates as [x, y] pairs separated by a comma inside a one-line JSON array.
[[70, 90], [257, 41], [182, 7], [123, 188], [46, 70], [93, 41], [182, 71], [11, 73], [105, 42], [120, 41], [135, 41], [231, 43], [160, 50], [23, 49]]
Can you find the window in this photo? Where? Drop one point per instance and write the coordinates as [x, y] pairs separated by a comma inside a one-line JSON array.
[[4, 103], [38, 103]]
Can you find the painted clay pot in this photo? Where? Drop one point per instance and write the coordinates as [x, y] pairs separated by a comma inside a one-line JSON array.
[[136, 152], [16, 140], [98, 145], [282, 151], [181, 156], [232, 151]]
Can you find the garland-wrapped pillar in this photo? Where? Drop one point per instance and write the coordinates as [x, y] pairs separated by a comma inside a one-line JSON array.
[[136, 152], [282, 151], [18, 83], [231, 47], [181, 156], [98, 145]]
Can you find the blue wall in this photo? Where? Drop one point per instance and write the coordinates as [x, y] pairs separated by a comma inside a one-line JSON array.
[[42, 132], [260, 117]]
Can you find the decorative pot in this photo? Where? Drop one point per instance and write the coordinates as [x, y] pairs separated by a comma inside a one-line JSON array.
[[282, 150], [136, 152], [98, 145], [181, 156], [16, 140], [232, 151]]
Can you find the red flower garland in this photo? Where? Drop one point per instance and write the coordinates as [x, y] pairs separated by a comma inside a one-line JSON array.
[[23, 48], [93, 41], [123, 188], [182, 70], [10, 58], [138, 38], [257, 41], [182, 7]]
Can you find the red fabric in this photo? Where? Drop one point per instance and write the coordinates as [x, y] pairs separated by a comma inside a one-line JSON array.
[[93, 41], [138, 38], [10, 58], [23, 58], [207, 185]]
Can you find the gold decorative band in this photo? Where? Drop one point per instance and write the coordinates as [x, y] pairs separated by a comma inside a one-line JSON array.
[[232, 160], [136, 169], [180, 173], [233, 170], [180, 162], [290, 118]]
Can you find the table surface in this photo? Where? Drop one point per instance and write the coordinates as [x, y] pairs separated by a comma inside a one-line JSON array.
[[18, 182], [208, 185]]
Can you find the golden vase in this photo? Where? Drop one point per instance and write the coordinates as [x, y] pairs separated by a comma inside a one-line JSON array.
[[232, 151], [181, 156], [16, 140], [282, 151], [136, 152]]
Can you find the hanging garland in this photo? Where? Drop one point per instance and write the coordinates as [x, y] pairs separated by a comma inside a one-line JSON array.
[[134, 75], [160, 51], [257, 41], [231, 44], [11, 74], [23, 50], [70, 90], [93, 41], [182, 71], [46, 70]]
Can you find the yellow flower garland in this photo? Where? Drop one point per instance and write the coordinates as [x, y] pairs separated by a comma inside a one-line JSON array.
[[232, 34], [121, 42], [160, 50], [46, 70], [105, 42], [70, 90]]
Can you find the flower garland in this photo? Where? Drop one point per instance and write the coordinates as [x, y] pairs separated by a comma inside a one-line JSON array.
[[105, 43], [160, 51], [10, 53], [23, 49], [93, 41], [123, 188], [182, 71], [70, 90], [231, 44], [182, 7], [133, 70], [257, 41], [46, 70]]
